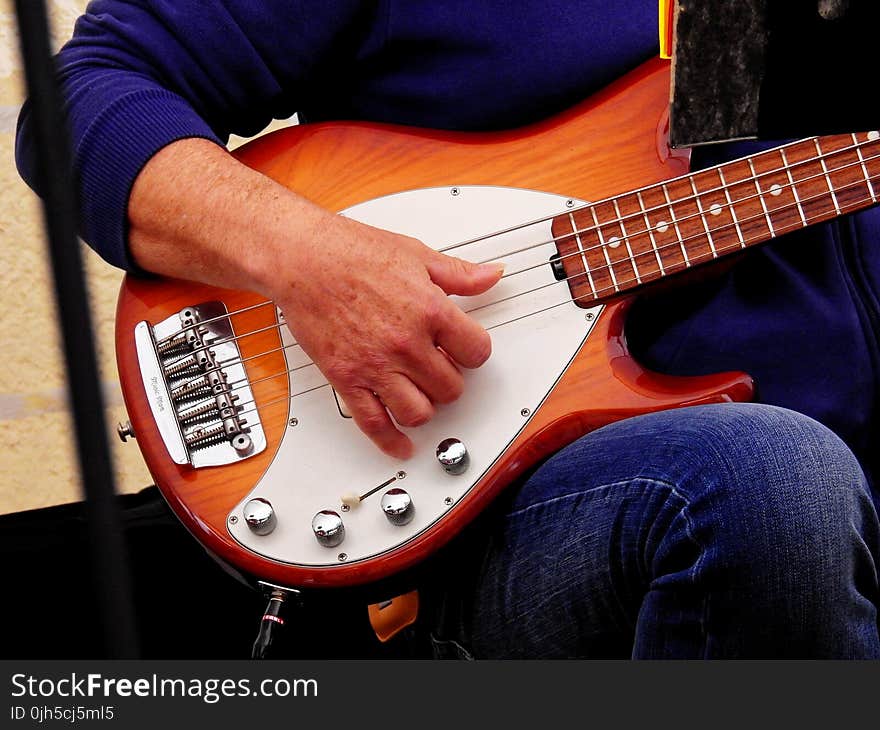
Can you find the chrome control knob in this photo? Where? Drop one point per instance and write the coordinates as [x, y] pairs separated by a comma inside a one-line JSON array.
[[398, 506], [453, 456], [328, 528], [260, 516]]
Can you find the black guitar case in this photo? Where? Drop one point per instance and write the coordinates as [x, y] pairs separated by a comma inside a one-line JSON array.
[[774, 69]]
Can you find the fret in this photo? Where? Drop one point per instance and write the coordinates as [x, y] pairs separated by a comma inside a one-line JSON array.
[[827, 177], [844, 169], [864, 168], [615, 242], [662, 230], [635, 238], [869, 149], [618, 244], [809, 181], [773, 183], [703, 219], [596, 251], [580, 248], [575, 269], [794, 191], [650, 230], [638, 237], [746, 202], [604, 247], [684, 252], [625, 236], [761, 198], [730, 207], [692, 233]]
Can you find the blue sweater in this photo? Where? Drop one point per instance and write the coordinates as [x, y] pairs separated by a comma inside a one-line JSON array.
[[801, 314]]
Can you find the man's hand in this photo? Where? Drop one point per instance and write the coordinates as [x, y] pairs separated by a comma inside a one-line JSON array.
[[370, 307]]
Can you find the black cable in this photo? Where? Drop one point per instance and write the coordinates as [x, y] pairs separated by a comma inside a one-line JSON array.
[[55, 180], [271, 621]]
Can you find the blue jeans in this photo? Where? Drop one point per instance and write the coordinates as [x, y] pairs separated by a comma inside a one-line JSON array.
[[735, 530]]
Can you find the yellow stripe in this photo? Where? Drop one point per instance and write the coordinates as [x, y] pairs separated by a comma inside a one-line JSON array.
[[665, 29]]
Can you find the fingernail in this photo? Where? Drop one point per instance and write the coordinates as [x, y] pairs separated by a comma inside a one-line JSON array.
[[499, 267]]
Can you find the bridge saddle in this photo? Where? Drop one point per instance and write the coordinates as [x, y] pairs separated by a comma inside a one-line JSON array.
[[198, 387]]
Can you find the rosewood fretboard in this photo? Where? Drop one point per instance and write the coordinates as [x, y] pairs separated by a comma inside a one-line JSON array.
[[621, 243]]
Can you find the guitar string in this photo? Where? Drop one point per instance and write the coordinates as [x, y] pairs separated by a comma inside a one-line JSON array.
[[641, 214], [241, 310], [599, 269], [258, 406], [220, 341], [628, 237], [729, 207], [700, 194], [596, 295], [723, 188], [586, 206]]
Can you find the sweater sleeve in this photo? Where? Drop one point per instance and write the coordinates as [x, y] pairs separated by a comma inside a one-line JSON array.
[[140, 74]]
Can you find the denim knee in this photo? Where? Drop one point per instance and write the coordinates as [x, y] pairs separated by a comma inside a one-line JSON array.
[[775, 479], [785, 529]]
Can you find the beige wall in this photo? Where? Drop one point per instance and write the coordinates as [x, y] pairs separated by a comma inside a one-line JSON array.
[[34, 418], [40, 469]]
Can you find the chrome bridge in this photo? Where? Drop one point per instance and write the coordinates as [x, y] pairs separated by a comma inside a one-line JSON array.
[[198, 387]]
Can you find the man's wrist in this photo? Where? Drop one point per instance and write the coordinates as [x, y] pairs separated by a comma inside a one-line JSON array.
[[197, 213]]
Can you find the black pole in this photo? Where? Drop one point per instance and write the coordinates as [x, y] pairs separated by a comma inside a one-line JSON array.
[[109, 564]]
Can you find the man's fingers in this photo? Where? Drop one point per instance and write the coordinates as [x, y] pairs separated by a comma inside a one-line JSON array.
[[371, 417], [466, 342], [457, 276], [437, 377], [408, 405]]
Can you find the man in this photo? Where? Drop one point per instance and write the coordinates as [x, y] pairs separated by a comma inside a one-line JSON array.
[[736, 530]]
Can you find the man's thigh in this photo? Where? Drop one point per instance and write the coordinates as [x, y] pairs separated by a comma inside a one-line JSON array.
[[709, 531]]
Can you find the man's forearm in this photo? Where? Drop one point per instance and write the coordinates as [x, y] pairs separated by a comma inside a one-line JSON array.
[[197, 213]]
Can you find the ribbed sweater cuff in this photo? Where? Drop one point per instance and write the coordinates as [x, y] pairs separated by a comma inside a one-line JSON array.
[[113, 151]]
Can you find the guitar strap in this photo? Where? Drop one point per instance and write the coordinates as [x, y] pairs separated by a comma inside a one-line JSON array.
[[389, 618]]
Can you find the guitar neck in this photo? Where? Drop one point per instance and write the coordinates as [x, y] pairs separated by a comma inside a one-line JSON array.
[[619, 244]]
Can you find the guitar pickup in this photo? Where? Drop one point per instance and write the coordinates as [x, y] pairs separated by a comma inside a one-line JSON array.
[[198, 388]]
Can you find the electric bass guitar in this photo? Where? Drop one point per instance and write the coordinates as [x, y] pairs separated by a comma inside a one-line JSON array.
[[256, 453]]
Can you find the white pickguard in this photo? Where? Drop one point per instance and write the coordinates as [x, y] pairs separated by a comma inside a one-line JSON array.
[[324, 456]]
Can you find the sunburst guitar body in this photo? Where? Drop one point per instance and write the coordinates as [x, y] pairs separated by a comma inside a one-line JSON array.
[[251, 447]]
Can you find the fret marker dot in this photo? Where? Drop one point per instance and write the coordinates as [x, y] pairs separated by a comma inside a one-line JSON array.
[[715, 209], [873, 135], [613, 242], [662, 226], [775, 189]]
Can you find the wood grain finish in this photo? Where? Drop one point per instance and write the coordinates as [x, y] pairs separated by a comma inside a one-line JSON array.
[[607, 145]]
